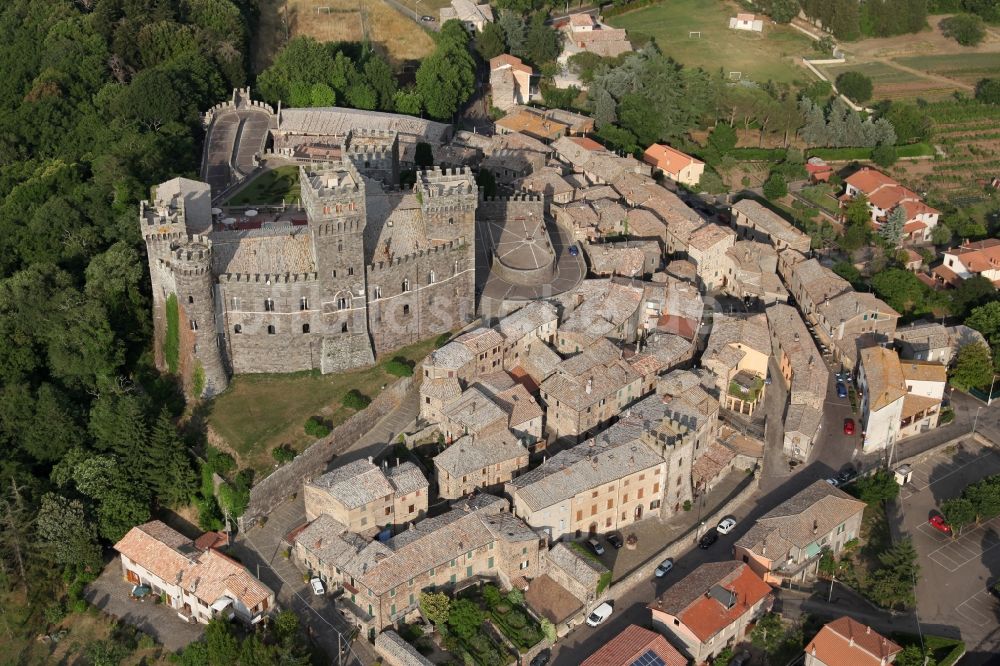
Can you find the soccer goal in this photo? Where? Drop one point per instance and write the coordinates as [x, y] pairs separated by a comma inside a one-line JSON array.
[[324, 10], [694, 34], [735, 76]]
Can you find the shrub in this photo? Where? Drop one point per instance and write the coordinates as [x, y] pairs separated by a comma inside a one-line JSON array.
[[687, 505], [399, 367], [966, 29], [316, 427], [885, 155], [491, 594], [855, 86], [55, 612], [283, 453], [775, 187], [198, 380], [465, 618], [356, 400], [548, 629], [988, 91], [515, 597], [503, 608], [603, 582], [516, 620]]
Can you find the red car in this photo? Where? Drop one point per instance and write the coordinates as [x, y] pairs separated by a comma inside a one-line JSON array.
[[848, 426], [937, 522]]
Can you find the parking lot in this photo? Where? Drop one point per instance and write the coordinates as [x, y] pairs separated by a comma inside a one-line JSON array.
[[955, 571]]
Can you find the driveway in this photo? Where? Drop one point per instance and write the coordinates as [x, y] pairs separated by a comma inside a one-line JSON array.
[[111, 593], [955, 572]]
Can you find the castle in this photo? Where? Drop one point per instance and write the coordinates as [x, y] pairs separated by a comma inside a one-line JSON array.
[[361, 270]]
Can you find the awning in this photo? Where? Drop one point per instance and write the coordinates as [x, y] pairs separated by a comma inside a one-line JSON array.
[[221, 603]]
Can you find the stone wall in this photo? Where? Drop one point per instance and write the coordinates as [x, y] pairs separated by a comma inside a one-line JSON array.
[[287, 480]]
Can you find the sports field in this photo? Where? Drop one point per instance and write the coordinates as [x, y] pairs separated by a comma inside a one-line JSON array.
[[774, 54]]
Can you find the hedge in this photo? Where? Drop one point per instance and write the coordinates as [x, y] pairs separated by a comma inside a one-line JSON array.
[[172, 341], [909, 150]]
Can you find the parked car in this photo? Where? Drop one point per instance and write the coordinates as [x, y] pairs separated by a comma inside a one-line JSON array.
[[726, 526], [833, 482], [596, 546], [740, 659], [615, 540], [848, 426], [841, 390], [427, 19], [542, 658], [938, 523], [574, 251], [664, 568], [710, 537], [317, 586], [847, 475], [599, 614]]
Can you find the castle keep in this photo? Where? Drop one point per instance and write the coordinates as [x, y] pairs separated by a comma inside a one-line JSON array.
[[359, 271]]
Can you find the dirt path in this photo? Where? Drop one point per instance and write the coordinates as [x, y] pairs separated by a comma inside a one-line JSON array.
[[924, 75]]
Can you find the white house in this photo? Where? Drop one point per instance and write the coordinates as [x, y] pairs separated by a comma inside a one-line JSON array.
[[884, 195], [744, 21], [883, 390]]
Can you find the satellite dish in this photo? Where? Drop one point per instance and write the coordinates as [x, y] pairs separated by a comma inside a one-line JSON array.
[[251, 213], [216, 211], [229, 221]]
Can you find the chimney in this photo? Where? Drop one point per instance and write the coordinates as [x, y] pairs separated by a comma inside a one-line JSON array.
[[868, 630], [590, 386], [815, 526], [371, 459]]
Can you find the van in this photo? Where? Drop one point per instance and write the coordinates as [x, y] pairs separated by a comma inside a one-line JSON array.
[[599, 614]]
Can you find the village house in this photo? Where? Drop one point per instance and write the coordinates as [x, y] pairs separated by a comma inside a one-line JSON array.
[[737, 354], [884, 195], [473, 16], [674, 164], [595, 162], [535, 323], [753, 221], [566, 588], [751, 273], [747, 22], [786, 543], [628, 259], [394, 651], [513, 156], [711, 608], [477, 539], [510, 82], [550, 183], [592, 219], [199, 584], [367, 498], [583, 32], [900, 398], [805, 375], [475, 413], [595, 310], [636, 645], [967, 260], [707, 248], [847, 642], [479, 463], [525, 121], [924, 341]]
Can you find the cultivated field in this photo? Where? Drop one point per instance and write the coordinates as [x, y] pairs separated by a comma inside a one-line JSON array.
[[399, 37], [895, 83], [772, 55], [967, 67]]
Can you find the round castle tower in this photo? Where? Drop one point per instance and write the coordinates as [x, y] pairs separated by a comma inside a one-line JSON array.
[[191, 266]]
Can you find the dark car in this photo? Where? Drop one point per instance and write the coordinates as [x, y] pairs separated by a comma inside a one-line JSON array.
[[847, 476], [542, 658], [841, 390], [427, 19], [709, 538], [574, 251], [615, 540], [994, 589]]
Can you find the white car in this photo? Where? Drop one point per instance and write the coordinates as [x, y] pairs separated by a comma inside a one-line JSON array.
[[599, 614], [317, 586], [726, 526], [664, 568]]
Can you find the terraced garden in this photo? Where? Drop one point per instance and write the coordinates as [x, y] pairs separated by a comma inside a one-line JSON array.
[[966, 67], [895, 83]]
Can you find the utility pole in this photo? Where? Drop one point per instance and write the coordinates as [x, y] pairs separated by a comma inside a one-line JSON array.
[[975, 421]]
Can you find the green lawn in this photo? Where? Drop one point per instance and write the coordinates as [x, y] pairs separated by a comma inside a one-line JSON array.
[[259, 412], [773, 55], [271, 187], [821, 196]]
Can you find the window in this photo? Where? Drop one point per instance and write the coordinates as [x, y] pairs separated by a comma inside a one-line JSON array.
[[432, 278], [489, 563], [343, 327], [468, 571], [305, 328], [340, 244], [350, 270], [392, 609], [303, 303], [411, 598], [237, 329], [579, 514], [270, 329], [343, 302], [638, 495], [377, 292], [268, 305], [194, 325], [409, 509], [364, 521], [593, 494], [406, 309], [593, 509], [190, 299], [392, 593], [453, 563], [388, 510], [607, 523], [656, 487], [406, 285], [611, 503], [236, 303], [452, 578]]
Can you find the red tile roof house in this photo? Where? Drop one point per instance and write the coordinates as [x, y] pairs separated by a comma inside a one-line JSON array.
[[711, 608], [846, 642], [970, 259], [632, 645], [674, 164], [885, 194], [198, 584]]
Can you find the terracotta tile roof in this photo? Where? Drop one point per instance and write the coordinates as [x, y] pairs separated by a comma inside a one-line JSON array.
[[519, 405], [914, 404], [586, 143], [884, 377], [847, 642], [711, 235], [977, 257], [635, 641], [533, 125], [581, 20], [669, 159], [699, 600], [507, 60]]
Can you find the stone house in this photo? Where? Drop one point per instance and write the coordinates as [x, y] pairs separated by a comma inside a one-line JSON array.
[[486, 346], [596, 310], [847, 642], [751, 273], [786, 542], [675, 165], [394, 651], [453, 360], [550, 183], [737, 354], [534, 324], [471, 15], [711, 608], [435, 394], [199, 584], [477, 539], [619, 259], [475, 414], [485, 462], [753, 221], [366, 498], [924, 341], [510, 82], [707, 249], [583, 32]]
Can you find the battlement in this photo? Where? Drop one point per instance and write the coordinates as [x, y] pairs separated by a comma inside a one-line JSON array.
[[240, 99], [441, 248], [167, 238], [321, 229], [439, 175], [161, 213], [518, 197], [268, 278], [330, 179]]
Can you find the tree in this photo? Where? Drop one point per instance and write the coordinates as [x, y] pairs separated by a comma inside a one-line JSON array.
[[465, 618], [986, 320], [958, 512], [166, 465], [884, 155], [973, 367], [775, 187], [722, 138], [909, 121], [891, 231], [355, 399], [408, 101], [490, 41], [970, 293], [783, 11], [846, 270], [855, 86], [446, 79], [543, 42], [901, 289], [66, 535], [435, 606], [768, 634], [988, 91], [891, 585], [985, 497], [941, 234], [514, 32], [879, 487], [911, 655], [966, 29]]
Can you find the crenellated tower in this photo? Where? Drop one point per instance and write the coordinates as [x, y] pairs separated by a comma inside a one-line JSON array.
[[448, 200]]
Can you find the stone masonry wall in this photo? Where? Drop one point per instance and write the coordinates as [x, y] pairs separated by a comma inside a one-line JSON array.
[[274, 489]]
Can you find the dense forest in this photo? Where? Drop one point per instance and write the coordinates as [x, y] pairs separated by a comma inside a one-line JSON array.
[[99, 98]]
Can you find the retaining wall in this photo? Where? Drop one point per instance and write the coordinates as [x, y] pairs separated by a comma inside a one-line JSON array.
[[287, 480]]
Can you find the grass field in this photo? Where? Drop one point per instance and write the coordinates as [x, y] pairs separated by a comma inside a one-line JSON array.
[[773, 55], [272, 187], [966, 67], [399, 37], [260, 412]]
